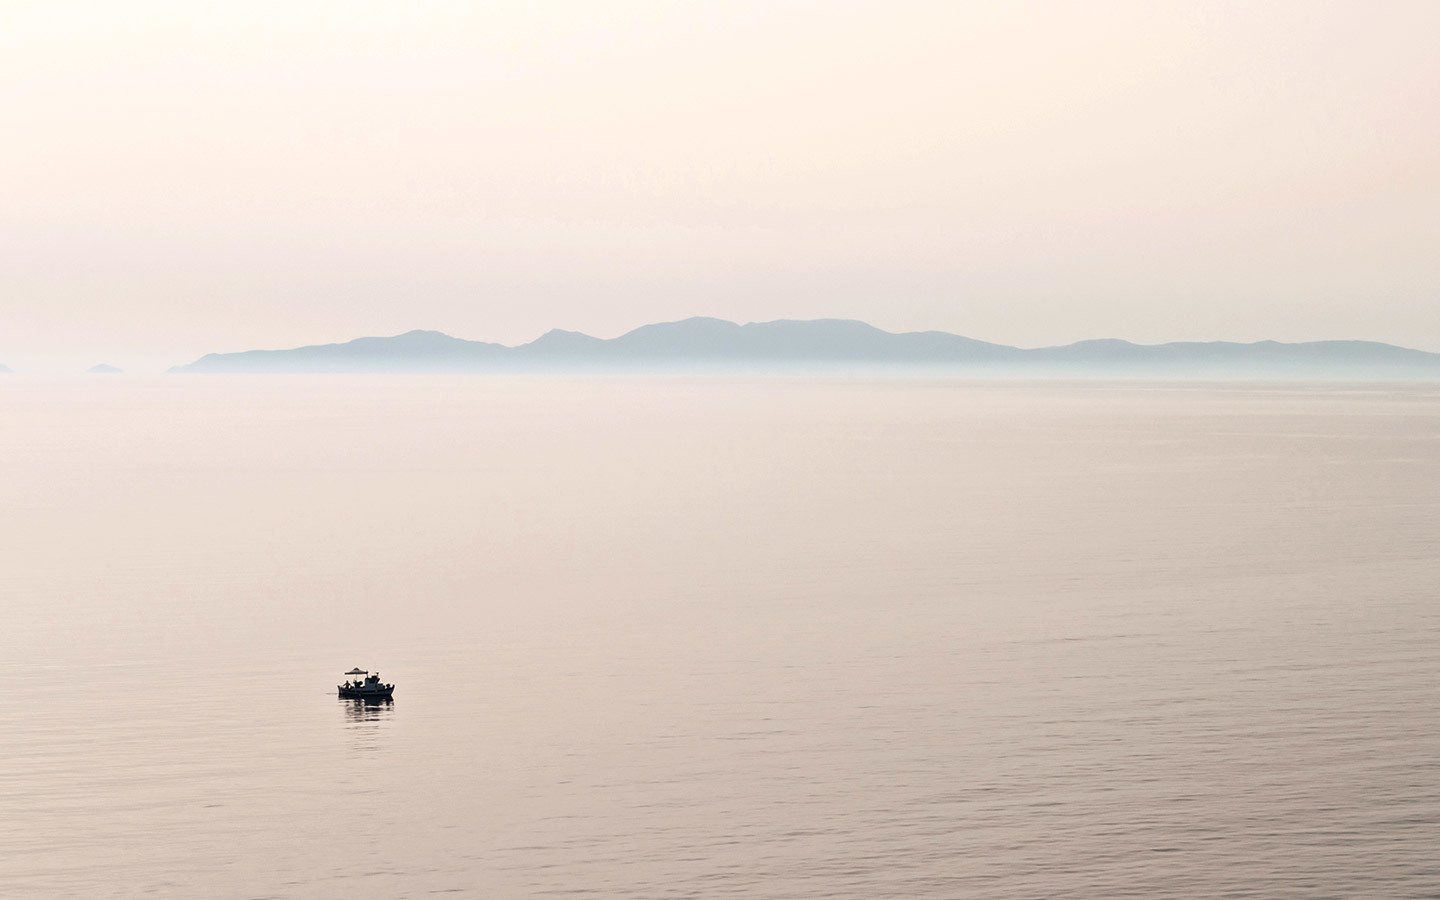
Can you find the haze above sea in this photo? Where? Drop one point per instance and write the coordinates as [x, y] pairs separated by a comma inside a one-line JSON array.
[[705, 637]]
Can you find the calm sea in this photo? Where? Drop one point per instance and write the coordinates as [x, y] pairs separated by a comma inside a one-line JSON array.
[[714, 638]]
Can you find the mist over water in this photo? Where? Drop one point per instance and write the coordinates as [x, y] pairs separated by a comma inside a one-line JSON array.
[[708, 637]]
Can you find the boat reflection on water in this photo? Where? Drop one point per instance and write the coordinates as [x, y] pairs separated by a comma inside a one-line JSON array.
[[365, 722], [367, 710]]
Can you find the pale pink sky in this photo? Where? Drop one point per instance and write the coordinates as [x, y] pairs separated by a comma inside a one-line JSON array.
[[177, 178]]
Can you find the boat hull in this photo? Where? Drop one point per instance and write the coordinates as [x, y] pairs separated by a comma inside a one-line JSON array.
[[362, 694]]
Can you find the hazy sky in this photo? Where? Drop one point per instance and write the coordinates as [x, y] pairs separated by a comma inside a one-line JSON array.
[[183, 177]]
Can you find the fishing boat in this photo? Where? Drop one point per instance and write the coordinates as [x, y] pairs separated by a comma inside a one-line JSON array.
[[359, 684]]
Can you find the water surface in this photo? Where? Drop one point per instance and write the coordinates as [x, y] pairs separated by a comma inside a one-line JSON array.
[[705, 638]]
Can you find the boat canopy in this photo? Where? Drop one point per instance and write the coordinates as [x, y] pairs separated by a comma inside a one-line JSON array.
[[358, 672]]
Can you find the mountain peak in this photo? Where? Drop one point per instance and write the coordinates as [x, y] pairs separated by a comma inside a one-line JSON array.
[[420, 336]]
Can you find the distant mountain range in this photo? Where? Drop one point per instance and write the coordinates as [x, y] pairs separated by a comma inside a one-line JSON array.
[[703, 344]]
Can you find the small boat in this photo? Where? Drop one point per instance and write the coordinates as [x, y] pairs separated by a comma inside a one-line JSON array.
[[361, 685]]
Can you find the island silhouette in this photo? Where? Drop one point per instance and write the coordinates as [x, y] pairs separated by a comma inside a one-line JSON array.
[[103, 369], [707, 344]]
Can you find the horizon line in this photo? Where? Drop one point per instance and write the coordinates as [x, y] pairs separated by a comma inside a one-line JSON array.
[[97, 367]]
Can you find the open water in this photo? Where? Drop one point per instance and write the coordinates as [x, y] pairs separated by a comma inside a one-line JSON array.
[[707, 638]]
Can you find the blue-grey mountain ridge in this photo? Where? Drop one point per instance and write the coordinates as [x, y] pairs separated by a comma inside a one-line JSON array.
[[701, 344]]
